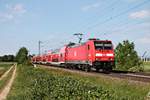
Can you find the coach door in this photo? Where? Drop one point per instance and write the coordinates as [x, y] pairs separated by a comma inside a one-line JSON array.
[[88, 53]]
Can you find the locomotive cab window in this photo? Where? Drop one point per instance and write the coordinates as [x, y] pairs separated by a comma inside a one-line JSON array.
[[100, 45], [108, 46]]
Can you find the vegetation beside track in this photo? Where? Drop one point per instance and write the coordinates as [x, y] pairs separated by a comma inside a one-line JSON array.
[[122, 89], [147, 66], [35, 83], [40, 83]]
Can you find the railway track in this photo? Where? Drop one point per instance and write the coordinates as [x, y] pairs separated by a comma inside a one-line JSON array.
[[139, 77], [131, 76]]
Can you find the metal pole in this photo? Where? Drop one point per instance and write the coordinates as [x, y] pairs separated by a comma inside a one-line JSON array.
[[39, 43]]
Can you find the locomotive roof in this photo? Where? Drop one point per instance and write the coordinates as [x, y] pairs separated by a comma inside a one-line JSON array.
[[71, 44]]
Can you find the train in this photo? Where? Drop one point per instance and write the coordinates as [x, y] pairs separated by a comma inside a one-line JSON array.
[[93, 54]]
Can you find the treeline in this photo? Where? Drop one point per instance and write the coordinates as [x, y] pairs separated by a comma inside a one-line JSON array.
[[7, 58], [22, 57]]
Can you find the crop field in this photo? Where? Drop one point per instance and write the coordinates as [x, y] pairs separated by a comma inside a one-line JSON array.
[[40, 83], [147, 66]]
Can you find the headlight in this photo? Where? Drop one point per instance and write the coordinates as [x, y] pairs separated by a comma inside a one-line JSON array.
[[99, 54], [109, 54]]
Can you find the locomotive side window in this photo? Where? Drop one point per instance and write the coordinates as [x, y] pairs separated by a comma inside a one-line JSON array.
[[88, 47]]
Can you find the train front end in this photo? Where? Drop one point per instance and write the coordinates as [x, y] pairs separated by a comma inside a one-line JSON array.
[[104, 55]]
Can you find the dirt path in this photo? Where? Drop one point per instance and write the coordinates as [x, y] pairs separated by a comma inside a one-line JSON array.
[[5, 91], [5, 74]]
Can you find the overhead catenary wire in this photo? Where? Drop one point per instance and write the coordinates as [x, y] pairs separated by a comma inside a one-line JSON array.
[[124, 27], [50, 45], [111, 6], [119, 14]]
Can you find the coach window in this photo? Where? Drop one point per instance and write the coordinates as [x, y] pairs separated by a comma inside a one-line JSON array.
[[88, 47]]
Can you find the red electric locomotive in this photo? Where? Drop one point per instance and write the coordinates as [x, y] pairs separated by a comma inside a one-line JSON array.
[[94, 53]]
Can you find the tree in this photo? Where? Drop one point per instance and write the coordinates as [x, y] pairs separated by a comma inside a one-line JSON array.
[[22, 56], [126, 57]]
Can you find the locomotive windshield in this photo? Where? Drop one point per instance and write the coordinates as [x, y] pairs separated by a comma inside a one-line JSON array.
[[102, 45]]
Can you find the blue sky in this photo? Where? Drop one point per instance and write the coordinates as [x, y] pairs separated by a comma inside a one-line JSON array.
[[25, 22]]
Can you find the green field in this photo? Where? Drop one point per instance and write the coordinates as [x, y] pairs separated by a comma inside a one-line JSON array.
[[42, 84], [147, 66]]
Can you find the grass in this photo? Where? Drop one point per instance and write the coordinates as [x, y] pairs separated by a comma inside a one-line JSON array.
[[147, 66], [116, 89]]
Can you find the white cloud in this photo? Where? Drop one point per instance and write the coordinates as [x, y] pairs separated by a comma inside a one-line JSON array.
[[18, 8], [11, 12], [140, 14], [91, 6], [6, 15], [144, 40]]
